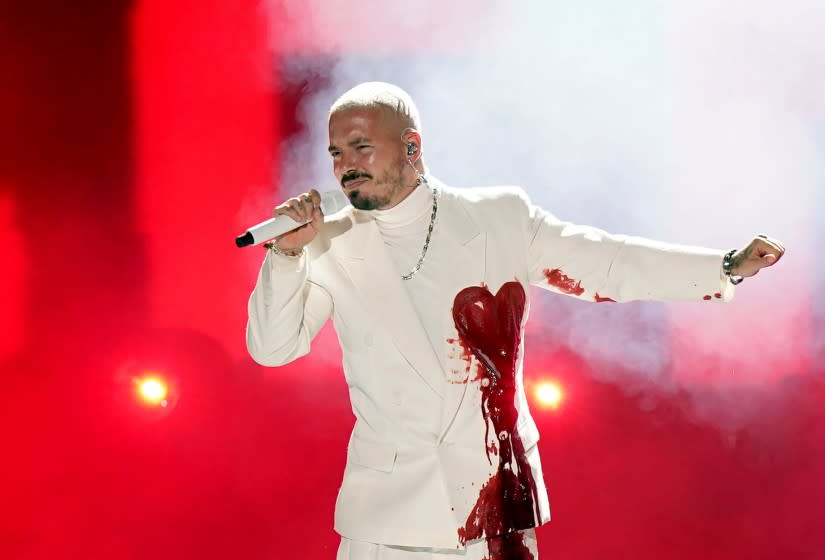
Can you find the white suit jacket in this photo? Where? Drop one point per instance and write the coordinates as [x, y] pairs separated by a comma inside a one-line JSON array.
[[419, 455]]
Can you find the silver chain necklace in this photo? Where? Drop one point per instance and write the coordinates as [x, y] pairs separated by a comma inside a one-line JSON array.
[[417, 266]]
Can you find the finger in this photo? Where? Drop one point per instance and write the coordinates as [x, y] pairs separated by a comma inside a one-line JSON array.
[[778, 244], [294, 210], [317, 219], [316, 196], [289, 210], [769, 259], [309, 205], [770, 247], [301, 207], [283, 210], [298, 204], [772, 241]]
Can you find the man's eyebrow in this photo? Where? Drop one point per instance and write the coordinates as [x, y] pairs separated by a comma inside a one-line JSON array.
[[359, 140]]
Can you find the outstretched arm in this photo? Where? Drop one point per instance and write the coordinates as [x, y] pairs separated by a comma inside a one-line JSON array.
[[591, 264]]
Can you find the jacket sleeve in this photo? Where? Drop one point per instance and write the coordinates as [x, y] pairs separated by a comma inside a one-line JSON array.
[[594, 265], [286, 310]]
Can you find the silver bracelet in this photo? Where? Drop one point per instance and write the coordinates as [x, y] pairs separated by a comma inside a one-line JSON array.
[[727, 268], [273, 246]]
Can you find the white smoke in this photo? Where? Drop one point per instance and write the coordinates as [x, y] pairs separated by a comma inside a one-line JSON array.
[[687, 121]]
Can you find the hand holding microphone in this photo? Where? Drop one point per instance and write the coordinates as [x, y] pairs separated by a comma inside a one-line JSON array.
[[304, 209], [297, 221]]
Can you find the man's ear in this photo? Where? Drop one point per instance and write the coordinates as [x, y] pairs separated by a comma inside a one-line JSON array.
[[412, 143]]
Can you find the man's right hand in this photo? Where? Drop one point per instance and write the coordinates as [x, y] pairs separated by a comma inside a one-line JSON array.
[[304, 209]]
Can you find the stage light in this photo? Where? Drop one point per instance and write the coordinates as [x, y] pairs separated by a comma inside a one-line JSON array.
[[149, 390], [549, 394], [153, 390]]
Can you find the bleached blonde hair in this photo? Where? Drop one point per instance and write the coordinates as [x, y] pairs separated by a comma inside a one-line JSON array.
[[380, 95]]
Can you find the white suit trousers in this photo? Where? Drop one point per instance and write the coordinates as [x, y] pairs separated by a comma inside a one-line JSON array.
[[357, 550]]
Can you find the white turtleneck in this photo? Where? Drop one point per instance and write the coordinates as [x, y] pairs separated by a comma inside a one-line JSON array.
[[403, 229]]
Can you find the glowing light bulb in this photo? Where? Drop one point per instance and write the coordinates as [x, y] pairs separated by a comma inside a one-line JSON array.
[[153, 390], [549, 394]]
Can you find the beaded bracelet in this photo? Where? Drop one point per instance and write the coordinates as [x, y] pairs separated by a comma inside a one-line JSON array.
[[727, 268], [272, 246]]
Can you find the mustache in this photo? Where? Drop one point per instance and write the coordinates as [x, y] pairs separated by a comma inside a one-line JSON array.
[[353, 176]]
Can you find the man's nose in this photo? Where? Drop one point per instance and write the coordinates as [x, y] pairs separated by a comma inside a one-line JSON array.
[[344, 170], [348, 161], [343, 167]]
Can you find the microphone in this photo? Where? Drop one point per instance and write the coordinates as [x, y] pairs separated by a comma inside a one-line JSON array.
[[331, 202]]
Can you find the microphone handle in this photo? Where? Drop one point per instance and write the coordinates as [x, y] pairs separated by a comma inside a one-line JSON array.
[[331, 202], [273, 227]]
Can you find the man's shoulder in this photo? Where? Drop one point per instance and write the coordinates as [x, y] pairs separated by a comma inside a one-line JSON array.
[[497, 198], [483, 194]]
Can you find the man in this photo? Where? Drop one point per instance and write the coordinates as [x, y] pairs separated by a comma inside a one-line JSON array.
[[427, 288]]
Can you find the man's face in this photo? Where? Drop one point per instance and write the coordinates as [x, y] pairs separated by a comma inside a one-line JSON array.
[[368, 157]]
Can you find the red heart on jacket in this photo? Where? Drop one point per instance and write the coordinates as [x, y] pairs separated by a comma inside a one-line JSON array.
[[489, 325]]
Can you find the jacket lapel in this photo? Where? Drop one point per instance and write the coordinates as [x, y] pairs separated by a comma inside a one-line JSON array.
[[369, 264], [466, 244]]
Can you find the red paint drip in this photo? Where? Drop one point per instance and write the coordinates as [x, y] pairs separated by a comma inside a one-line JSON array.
[[465, 352], [706, 298], [508, 547], [600, 299], [717, 295], [490, 328], [556, 278]]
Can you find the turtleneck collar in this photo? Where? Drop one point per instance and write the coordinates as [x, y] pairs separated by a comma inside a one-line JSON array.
[[417, 204]]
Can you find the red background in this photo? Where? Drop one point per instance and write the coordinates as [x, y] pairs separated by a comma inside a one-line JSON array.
[[133, 137]]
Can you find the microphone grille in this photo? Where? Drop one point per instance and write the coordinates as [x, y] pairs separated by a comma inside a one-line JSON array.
[[333, 201]]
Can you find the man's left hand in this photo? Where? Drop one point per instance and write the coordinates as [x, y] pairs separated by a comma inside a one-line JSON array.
[[760, 253]]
